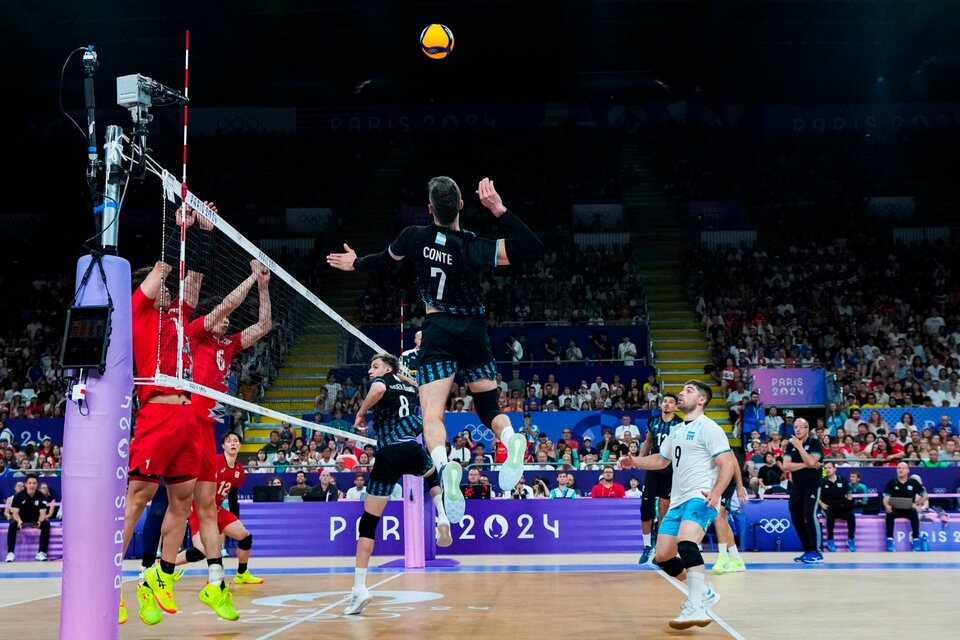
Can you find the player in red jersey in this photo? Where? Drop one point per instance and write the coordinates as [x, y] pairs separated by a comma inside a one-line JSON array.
[[163, 446], [229, 476], [212, 349]]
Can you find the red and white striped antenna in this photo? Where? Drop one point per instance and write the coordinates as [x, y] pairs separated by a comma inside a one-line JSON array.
[[183, 202]]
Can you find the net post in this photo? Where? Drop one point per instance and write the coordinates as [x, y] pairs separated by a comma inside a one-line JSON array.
[[413, 523], [95, 472]]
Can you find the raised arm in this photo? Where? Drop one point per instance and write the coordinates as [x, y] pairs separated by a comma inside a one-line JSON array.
[[520, 240], [233, 299], [264, 318]]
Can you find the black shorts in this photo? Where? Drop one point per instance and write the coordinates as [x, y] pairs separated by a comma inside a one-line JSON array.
[[454, 344], [657, 485], [394, 461], [728, 495]]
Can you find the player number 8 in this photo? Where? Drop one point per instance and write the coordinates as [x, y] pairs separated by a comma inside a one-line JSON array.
[[404, 407]]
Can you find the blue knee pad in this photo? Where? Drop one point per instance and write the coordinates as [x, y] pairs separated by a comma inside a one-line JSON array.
[[690, 554]]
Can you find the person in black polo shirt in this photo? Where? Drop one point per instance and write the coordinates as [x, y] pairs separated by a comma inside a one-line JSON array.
[[836, 503], [29, 507], [901, 498], [801, 458]]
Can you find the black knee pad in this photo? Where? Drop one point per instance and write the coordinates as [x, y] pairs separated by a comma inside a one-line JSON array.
[[432, 480], [672, 567], [689, 554], [368, 525], [646, 509], [194, 555], [487, 404], [246, 543]]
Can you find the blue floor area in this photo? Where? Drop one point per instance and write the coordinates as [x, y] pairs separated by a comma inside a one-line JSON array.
[[541, 568]]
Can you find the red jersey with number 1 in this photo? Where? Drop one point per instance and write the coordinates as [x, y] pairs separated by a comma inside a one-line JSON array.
[[151, 326], [211, 365]]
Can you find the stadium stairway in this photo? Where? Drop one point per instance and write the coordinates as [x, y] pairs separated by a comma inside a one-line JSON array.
[[679, 344], [315, 350]]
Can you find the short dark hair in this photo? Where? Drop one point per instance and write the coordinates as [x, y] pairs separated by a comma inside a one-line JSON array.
[[672, 395], [702, 387], [138, 276], [445, 197], [231, 433], [31, 476]]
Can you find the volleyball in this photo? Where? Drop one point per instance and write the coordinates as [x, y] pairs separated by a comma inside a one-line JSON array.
[[436, 41]]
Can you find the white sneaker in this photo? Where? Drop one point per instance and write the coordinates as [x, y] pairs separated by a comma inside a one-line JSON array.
[[10, 557], [453, 502], [444, 539], [690, 616], [41, 556], [710, 598], [512, 469], [359, 598]]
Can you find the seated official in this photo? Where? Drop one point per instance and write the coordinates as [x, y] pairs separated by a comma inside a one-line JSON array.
[[29, 508]]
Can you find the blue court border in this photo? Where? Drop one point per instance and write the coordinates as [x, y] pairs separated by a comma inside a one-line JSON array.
[[541, 568]]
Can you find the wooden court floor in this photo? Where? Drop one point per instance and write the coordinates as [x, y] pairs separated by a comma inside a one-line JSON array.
[[866, 595]]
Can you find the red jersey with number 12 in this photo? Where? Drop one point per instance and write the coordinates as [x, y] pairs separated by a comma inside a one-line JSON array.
[[228, 478]]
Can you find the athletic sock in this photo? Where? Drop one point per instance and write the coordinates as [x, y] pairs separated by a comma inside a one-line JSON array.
[[241, 567], [506, 434], [439, 456], [140, 577], [360, 578], [215, 572], [734, 552], [723, 549], [441, 514], [646, 539], [167, 567], [695, 583]]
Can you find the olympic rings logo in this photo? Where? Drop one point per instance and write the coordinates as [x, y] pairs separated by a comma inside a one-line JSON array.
[[774, 525], [479, 433]]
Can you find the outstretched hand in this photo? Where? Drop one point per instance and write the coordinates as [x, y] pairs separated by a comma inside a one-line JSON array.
[[260, 272], [490, 198], [343, 261], [205, 223]]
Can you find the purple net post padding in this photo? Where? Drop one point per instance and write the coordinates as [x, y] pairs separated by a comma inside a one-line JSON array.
[[96, 442], [413, 525]]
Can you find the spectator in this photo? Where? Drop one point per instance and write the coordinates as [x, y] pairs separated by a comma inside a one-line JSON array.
[[769, 476], [326, 490], [772, 422], [627, 426], [562, 490], [634, 491], [573, 353], [521, 491], [607, 487], [359, 490], [301, 488], [627, 351], [540, 489], [8, 503]]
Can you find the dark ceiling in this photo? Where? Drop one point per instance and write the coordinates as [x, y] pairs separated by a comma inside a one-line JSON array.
[[285, 52]]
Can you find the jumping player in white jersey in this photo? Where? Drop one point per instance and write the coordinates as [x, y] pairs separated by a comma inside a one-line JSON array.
[[703, 466]]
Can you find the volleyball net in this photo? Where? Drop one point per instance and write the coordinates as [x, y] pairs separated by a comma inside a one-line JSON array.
[[251, 337]]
